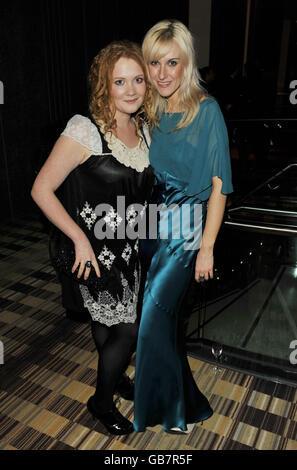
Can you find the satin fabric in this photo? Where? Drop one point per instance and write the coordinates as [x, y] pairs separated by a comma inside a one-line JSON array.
[[165, 391], [101, 179], [195, 153]]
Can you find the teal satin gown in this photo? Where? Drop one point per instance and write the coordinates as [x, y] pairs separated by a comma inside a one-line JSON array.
[[184, 162], [165, 391]]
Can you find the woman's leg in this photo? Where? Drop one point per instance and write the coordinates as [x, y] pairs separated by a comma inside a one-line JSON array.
[[115, 345]]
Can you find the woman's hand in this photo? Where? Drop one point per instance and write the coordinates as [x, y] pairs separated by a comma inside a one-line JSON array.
[[204, 265], [83, 253], [215, 212]]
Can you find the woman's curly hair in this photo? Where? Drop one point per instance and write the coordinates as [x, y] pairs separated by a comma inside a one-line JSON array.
[[101, 104]]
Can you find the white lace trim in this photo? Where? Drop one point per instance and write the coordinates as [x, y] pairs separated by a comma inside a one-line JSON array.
[[136, 157], [110, 311], [82, 130]]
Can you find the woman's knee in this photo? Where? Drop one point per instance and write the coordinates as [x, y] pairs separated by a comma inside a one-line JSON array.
[[129, 332]]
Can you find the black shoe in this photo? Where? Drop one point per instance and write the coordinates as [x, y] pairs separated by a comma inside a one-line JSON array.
[[125, 388], [112, 420]]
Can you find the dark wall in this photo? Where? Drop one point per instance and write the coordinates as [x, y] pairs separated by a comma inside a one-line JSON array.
[[264, 53], [46, 47], [227, 35]]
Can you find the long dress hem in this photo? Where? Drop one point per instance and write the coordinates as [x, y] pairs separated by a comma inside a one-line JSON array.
[[184, 162], [168, 427]]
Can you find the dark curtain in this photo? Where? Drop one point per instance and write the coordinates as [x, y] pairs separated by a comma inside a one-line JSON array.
[[46, 48], [264, 54], [227, 35]]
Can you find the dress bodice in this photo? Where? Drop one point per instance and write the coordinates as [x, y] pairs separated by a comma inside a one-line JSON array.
[[196, 153], [110, 171]]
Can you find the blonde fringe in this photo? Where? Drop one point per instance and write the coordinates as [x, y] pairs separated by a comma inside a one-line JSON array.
[[158, 40]]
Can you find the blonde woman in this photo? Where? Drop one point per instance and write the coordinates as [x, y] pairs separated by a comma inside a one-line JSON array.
[[99, 158], [190, 156]]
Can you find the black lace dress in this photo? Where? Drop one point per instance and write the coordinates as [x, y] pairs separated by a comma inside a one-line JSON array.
[[106, 196]]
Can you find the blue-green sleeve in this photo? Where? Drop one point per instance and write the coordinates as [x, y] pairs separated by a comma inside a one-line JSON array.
[[213, 154]]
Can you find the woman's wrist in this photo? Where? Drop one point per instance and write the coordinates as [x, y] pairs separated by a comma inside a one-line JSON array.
[[78, 236], [207, 248]]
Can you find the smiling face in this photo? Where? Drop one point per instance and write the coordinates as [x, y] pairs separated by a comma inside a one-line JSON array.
[[127, 86], [166, 73]]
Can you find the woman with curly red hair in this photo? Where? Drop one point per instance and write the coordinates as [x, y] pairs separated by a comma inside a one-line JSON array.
[[96, 160]]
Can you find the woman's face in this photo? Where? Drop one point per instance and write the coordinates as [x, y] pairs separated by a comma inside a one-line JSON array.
[[166, 73], [127, 86]]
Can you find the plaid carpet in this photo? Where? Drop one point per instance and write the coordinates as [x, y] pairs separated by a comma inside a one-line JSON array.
[[49, 372]]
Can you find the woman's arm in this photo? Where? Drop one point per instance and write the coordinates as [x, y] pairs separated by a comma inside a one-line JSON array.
[[65, 156], [214, 217]]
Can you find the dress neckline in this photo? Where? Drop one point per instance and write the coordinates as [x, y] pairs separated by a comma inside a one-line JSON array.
[[114, 138]]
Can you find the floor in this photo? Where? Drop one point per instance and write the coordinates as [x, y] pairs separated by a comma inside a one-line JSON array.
[[48, 371]]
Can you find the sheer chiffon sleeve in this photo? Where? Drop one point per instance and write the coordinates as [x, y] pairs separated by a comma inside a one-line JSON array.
[[213, 156]]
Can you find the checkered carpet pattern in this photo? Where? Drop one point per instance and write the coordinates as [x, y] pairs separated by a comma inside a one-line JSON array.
[[49, 372]]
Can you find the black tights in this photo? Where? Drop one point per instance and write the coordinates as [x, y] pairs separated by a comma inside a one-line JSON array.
[[115, 346]]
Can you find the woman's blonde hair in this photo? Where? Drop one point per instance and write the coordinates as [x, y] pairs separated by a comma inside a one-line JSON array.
[[101, 104], [156, 44]]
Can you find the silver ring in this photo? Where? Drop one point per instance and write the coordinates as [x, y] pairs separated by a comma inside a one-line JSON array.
[[201, 278], [88, 264]]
